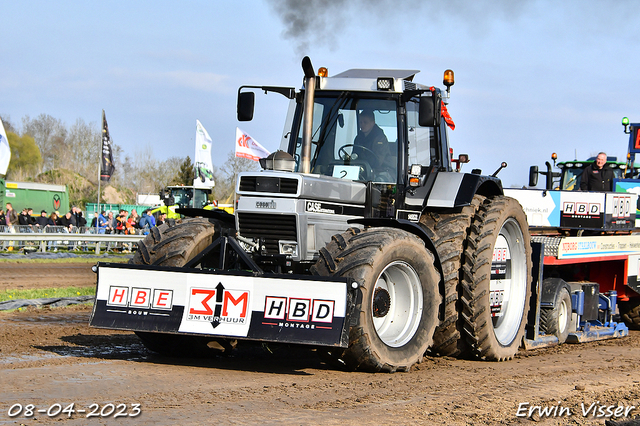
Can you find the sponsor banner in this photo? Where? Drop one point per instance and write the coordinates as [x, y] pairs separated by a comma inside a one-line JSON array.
[[575, 209], [599, 246], [500, 266], [277, 309], [542, 207], [581, 209], [620, 211], [631, 186], [564, 209]]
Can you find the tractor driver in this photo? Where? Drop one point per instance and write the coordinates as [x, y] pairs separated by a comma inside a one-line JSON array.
[[372, 138], [597, 177]]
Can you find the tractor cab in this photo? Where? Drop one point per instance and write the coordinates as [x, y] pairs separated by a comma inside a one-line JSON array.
[[182, 197], [571, 172]]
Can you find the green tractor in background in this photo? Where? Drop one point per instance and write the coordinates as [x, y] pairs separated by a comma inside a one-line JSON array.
[[183, 197]]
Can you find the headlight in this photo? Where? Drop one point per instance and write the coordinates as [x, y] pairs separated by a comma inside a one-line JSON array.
[[289, 248]]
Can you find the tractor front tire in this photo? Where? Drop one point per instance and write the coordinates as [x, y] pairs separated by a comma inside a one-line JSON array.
[[397, 312]]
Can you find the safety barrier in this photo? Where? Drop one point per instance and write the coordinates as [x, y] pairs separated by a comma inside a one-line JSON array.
[[51, 238]]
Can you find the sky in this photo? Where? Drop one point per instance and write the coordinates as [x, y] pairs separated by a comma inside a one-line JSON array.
[[532, 77]]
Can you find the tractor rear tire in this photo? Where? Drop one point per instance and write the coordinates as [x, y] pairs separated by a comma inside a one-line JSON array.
[[496, 285], [449, 232], [555, 321], [630, 313], [397, 312], [175, 243]]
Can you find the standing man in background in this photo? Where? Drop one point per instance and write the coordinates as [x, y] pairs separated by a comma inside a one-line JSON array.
[[597, 177]]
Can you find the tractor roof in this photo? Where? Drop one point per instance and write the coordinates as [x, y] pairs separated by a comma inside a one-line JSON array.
[[368, 73]]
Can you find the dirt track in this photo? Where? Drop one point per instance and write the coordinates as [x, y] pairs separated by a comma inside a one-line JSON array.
[[49, 357], [19, 276]]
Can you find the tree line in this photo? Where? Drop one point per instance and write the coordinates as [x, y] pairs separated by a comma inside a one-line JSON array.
[[44, 149]]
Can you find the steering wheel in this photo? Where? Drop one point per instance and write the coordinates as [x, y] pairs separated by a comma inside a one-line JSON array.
[[344, 155], [366, 171]]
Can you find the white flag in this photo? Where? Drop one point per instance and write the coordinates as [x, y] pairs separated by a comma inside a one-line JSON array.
[[204, 167], [5, 151], [247, 147]]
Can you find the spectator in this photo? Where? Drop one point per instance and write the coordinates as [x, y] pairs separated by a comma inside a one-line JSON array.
[[99, 221], [132, 222], [77, 213], [121, 222], [11, 217], [42, 220], [3, 221], [147, 220], [110, 223], [52, 225], [134, 219], [102, 222], [68, 221], [23, 218], [53, 220], [32, 220], [162, 218]]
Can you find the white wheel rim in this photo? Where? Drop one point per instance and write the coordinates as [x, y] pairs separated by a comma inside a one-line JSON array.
[[563, 313], [508, 290], [399, 324]]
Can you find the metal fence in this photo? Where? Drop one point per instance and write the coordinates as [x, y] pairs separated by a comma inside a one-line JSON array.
[[54, 238]]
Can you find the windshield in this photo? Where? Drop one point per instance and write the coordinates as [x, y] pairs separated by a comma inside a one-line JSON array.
[[571, 176], [183, 196], [354, 138]]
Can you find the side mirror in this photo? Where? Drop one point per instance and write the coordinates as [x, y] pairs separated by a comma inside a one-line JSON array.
[[246, 101], [533, 175], [429, 111]]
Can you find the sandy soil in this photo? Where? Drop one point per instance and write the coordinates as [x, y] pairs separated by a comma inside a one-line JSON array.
[[50, 357], [20, 276]]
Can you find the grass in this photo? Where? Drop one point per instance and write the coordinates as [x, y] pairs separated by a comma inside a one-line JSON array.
[[44, 293], [66, 260]]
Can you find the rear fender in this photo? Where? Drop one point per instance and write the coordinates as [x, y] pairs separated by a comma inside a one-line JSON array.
[[456, 190], [453, 190], [550, 289], [405, 225]]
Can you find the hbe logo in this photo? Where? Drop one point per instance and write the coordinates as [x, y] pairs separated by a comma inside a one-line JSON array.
[[143, 298]]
